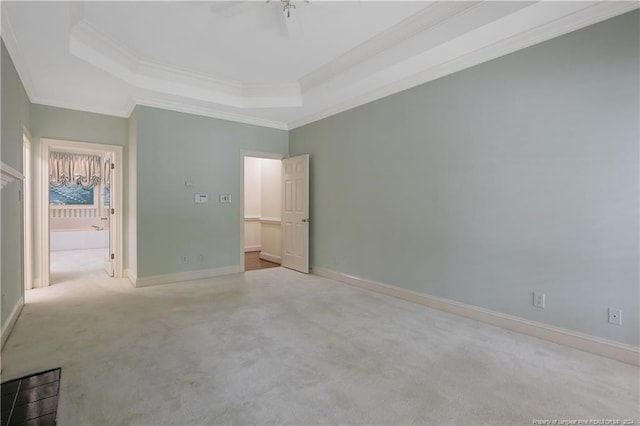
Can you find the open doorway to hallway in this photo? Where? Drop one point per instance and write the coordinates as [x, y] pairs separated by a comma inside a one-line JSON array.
[[261, 212]]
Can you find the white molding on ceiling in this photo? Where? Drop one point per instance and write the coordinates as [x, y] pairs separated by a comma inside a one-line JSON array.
[[208, 112], [430, 17], [432, 68], [39, 100], [10, 41], [108, 55], [524, 28]]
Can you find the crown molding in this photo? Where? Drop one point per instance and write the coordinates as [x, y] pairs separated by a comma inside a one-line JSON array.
[[39, 100], [208, 112], [430, 17], [106, 54], [10, 41], [535, 34]]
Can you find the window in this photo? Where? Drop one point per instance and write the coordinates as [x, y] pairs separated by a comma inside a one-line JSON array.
[[71, 196]]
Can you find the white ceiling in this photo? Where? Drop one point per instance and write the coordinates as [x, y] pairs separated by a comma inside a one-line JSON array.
[[245, 61]]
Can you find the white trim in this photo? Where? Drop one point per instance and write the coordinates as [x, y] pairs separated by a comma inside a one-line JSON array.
[[27, 210], [431, 16], [10, 41], [255, 154], [185, 276], [248, 249], [9, 174], [208, 112], [122, 113], [271, 220], [47, 145], [427, 66], [86, 43], [596, 345], [319, 84], [270, 257], [131, 276], [11, 321]]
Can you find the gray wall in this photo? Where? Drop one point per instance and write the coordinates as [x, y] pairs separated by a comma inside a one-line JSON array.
[[15, 115], [516, 175], [71, 125], [171, 149]]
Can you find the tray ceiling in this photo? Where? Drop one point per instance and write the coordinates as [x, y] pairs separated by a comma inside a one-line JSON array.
[[245, 61]]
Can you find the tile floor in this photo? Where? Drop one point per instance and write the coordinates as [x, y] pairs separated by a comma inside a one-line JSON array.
[[31, 400]]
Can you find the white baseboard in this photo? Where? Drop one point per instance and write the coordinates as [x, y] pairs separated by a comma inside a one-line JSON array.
[[11, 321], [185, 276], [270, 257], [131, 275], [252, 248], [596, 345]]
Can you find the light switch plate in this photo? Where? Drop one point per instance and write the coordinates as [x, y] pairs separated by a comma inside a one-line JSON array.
[[201, 198]]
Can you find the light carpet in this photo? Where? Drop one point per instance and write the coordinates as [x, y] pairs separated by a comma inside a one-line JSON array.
[[274, 346]]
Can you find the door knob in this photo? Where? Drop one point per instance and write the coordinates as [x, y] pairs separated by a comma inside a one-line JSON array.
[[307, 220]]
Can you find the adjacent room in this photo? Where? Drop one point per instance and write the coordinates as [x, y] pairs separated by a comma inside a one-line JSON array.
[[320, 212], [78, 214]]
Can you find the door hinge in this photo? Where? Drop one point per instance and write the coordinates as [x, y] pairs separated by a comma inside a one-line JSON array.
[[113, 256], [113, 211], [113, 166]]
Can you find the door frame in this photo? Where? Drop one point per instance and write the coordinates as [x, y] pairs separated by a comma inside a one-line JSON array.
[[116, 225], [27, 209], [254, 154]]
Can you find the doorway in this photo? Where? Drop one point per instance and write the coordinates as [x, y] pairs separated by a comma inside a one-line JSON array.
[[260, 209], [81, 190]]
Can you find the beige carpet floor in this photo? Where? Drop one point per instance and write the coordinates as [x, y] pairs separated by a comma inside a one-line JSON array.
[[274, 346]]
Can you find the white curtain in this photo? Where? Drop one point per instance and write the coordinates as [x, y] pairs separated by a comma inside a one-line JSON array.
[[74, 169]]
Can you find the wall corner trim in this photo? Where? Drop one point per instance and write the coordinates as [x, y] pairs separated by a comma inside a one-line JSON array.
[[185, 276], [11, 321], [131, 275], [584, 342]]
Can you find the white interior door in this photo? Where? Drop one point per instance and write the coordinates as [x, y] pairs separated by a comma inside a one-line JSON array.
[[295, 213]]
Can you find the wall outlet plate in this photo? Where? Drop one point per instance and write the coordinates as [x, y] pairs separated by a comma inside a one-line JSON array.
[[538, 299], [615, 316], [225, 198]]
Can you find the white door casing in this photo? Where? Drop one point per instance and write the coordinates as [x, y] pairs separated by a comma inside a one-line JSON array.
[[27, 210], [295, 213], [106, 218], [117, 186]]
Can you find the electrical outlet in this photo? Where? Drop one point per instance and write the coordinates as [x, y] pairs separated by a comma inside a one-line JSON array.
[[225, 198], [184, 260], [538, 299], [615, 316]]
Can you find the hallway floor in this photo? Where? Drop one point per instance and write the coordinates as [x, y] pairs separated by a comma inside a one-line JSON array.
[[252, 262], [276, 346]]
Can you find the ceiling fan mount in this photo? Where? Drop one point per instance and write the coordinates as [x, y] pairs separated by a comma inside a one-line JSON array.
[[288, 6]]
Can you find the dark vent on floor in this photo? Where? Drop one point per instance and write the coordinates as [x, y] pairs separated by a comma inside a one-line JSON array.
[[31, 400]]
